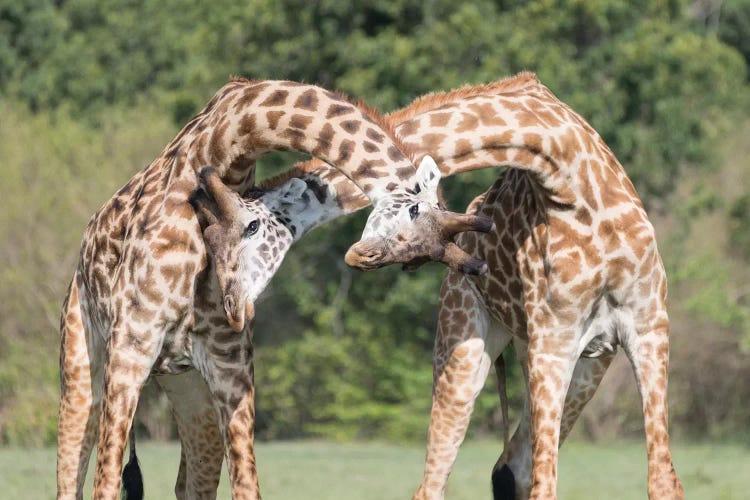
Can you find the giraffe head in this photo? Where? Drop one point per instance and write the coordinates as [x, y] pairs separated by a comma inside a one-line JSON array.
[[410, 227], [249, 237]]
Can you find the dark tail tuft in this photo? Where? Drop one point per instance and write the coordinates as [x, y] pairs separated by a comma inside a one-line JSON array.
[[503, 483], [132, 479]]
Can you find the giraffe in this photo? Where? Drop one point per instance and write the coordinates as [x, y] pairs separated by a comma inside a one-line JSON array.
[[142, 300], [573, 272]]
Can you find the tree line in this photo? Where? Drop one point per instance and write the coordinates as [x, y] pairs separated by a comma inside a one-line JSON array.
[[90, 91]]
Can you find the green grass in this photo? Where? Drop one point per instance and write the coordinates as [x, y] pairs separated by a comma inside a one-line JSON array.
[[314, 470]]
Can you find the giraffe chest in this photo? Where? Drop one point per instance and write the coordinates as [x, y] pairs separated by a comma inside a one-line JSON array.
[[513, 206]]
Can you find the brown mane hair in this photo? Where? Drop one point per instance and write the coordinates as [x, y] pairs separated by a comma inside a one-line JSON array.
[[298, 170], [434, 100]]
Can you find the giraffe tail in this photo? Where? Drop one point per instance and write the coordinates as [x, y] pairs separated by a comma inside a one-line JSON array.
[[503, 480], [132, 479]]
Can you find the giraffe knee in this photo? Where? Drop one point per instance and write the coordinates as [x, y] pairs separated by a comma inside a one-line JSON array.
[[503, 483]]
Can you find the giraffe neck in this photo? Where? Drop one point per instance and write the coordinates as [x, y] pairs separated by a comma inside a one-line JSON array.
[[469, 129], [247, 119], [318, 204], [529, 129]]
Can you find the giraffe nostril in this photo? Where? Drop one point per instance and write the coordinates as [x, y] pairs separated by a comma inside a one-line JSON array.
[[235, 313], [228, 304]]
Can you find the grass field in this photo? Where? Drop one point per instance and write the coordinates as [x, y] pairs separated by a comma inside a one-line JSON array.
[[314, 470]]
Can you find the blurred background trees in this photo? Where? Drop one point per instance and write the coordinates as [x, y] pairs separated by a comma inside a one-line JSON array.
[[91, 90]]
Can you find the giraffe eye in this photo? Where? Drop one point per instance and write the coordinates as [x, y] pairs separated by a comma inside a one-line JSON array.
[[413, 211], [252, 228]]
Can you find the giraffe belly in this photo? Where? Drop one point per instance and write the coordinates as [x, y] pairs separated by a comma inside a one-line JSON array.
[[599, 345], [600, 331]]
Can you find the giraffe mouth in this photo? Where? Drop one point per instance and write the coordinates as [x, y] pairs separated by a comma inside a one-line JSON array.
[[237, 313], [366, 255], [432, 240]]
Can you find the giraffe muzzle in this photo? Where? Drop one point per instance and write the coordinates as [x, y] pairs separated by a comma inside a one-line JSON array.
[[237, 312], [366, 255]]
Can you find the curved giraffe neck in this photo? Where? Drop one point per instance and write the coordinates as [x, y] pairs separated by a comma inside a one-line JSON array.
[[246, 119], [529, 129], [471, 128]]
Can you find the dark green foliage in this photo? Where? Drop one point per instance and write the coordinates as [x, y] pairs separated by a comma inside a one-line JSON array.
[[739, 217], [734, 26], [93, 89]]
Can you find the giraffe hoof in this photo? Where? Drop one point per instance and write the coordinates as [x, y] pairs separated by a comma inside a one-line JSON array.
[[503, 483]]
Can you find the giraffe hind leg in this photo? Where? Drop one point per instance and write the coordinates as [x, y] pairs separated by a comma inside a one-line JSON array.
[[81, 380], [648, 352]]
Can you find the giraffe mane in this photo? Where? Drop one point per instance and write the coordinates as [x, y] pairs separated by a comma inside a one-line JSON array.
[[241, 79], [298, 170], [434, 100]]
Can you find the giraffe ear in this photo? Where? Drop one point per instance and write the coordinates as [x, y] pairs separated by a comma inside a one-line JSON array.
[[292, 190], [428, 178]]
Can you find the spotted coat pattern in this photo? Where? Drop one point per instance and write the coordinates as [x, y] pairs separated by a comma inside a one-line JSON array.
[[573, 273], [144, 299]]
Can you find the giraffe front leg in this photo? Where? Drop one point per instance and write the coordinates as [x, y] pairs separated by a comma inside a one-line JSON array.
[[202, 450], [465, 347], [130, 356], [512, 472], [649, 356], [552, 355], [81, 381]]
